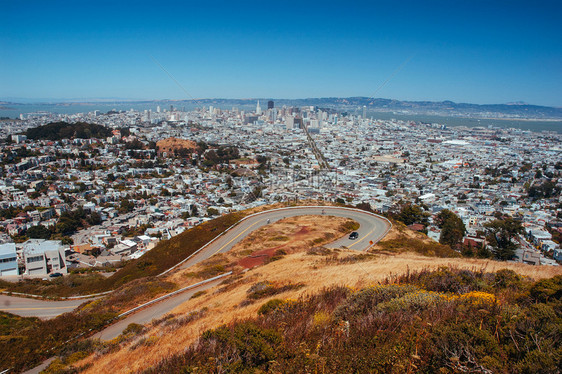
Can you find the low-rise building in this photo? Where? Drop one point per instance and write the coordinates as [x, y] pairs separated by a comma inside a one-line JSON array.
[[8, 259], [42, 257]]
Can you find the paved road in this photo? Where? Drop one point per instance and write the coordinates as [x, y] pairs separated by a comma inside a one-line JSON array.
[[37, 308], [152, 312], [372, 229]]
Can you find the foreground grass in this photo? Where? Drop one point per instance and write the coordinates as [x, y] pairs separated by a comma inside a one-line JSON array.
[[296, 277], [446, 320], [28, 341]]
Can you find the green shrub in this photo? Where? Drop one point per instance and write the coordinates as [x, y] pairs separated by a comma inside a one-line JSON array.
[[270, 306], [264, 289], [362, 302], [413, 301]]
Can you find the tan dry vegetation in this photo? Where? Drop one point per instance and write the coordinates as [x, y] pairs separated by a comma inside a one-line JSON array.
[[223, 302], [290, 235], [172, 144]]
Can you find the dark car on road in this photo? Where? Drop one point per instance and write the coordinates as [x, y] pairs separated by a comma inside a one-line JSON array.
[[55, 275], [354, 235]]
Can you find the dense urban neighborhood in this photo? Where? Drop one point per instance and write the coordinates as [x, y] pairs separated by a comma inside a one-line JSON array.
[[93, 190]]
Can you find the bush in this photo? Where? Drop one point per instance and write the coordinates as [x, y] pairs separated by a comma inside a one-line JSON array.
[[367, 299], [270, 306], [264, 289], [392, 328]]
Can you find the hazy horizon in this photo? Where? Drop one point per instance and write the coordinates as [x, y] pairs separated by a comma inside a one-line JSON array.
[[109, 100]]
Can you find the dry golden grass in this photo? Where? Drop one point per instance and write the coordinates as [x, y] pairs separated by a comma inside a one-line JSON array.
[[290, 235], [223, 303], [313, 270]]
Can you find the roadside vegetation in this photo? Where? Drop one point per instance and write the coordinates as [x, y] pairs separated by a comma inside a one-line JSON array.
[[28, 341], [165, 255]]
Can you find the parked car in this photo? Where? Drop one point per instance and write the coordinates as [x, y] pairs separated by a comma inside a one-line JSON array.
[[354, 235], [55, 275]]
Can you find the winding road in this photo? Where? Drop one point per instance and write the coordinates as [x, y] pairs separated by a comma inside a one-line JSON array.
[[372, 229]]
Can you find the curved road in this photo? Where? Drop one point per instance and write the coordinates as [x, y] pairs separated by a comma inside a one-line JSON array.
[[372, 229]]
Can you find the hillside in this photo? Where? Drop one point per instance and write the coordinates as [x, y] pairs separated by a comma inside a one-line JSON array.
[[175, 145], [64, 130], [309, 293]]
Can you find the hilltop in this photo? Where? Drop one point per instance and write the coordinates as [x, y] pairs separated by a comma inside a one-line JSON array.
[[171, 145], [294, 309], [65, 130]]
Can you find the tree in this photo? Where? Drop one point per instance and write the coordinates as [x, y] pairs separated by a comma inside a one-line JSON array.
[[545, 190], [410, 214], [126, 206], [94, 218], [212, 212], [38, 232], [452, 228], [500, 235], [364, 206]]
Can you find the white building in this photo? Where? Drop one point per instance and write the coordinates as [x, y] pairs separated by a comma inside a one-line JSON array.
[[42, 257], [8, 259]]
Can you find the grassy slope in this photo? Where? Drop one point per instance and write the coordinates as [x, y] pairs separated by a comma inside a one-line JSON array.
[[442, 321], [312, 271]]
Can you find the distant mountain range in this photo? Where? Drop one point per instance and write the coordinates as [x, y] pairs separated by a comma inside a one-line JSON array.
[[445, 108]]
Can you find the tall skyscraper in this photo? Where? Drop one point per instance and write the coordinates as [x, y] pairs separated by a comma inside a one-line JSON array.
[[258, 109], [364, 112], [270, 104]]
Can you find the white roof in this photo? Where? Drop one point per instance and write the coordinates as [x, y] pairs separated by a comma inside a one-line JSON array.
[[41, 246], [8, 249], [128, 243]]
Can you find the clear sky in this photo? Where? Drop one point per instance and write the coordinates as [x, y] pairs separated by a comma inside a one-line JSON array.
[[465, 51]]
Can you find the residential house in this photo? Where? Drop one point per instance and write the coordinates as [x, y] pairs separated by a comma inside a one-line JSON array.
[[8, 259], [42, 257]]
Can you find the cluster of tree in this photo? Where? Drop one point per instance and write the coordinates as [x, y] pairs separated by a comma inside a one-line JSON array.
[[126, 206], [64, 130], [134, 144], [264, 164], [410, 214], [10, 212], [501, 234], [68, 224], [15, 155], [545, 190], [222, 154], [452, 228]]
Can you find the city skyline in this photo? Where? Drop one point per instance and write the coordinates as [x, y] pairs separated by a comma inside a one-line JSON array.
[[464, 52]]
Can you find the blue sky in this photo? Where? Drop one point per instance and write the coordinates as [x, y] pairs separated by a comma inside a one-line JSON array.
[[464, 51]]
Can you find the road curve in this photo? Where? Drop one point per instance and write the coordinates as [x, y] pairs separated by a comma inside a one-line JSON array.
[[151, 312], [372, 229]]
